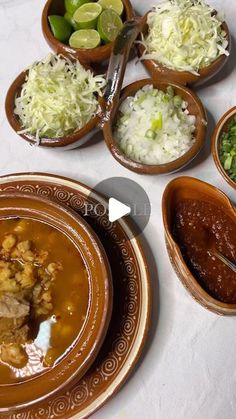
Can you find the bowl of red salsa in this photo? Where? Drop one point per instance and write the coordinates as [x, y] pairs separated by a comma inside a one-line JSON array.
[[193, 210]]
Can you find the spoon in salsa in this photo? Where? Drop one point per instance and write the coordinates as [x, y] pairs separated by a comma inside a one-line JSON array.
[[211, 245]]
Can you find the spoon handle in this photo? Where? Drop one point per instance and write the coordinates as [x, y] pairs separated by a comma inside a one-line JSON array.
[[118, 62], [223, 259]]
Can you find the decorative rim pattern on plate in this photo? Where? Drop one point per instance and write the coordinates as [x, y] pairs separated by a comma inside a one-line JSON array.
[[132, 301]]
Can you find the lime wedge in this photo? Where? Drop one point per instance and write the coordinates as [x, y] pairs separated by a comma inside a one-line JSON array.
[[72, 5], [109, 25], [70, 20], [85, 38], [61, 29], [116, 5], [87, 15]]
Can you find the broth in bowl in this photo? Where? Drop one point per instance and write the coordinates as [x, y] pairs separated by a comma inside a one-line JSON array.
[[44, 296]]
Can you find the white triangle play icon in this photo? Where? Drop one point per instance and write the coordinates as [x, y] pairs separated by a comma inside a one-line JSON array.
[[117, 210]]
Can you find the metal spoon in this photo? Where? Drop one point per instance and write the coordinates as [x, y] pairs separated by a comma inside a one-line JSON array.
[[210, 240], [223, 259]]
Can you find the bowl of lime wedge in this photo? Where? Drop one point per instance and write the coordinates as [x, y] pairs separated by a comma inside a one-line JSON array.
[[84, 29]]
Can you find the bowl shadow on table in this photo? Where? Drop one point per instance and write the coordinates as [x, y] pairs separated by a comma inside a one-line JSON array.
[[206, 150], [96, 138], [226, 71]]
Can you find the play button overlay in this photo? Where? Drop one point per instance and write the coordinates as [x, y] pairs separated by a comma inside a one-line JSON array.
[[126, 200], [117, 210]]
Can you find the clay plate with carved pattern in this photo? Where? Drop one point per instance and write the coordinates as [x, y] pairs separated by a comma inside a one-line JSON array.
[[132, 301]]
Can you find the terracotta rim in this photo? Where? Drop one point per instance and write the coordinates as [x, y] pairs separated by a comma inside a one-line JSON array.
[[90, 338], [39, 181], [175, 254], [96, 55], [158, 70], [177, 164], [216, 140], [14, 121]]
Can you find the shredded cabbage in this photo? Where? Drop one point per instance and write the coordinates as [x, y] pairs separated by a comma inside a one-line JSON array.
[[185, 35], [58, 97], [154, 127]]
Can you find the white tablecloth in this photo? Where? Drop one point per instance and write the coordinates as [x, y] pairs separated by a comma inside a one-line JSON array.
[[189, 367]]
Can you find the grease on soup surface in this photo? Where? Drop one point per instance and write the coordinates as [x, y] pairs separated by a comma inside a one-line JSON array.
[[43, 297]]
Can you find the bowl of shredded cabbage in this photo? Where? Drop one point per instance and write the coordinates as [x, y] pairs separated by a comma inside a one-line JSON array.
[[55, 103], [185, 41], [159, 127]]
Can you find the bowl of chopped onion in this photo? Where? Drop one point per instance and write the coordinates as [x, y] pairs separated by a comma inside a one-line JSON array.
[[85, 51], [185, 41], [157, 127], [55, 103], [224, 146]]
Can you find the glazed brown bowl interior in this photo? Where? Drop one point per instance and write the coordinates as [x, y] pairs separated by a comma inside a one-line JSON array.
[[82, 353], [183, 188], [96, 55], [195, 107], [73, 140], [159, 71], [220, 128]]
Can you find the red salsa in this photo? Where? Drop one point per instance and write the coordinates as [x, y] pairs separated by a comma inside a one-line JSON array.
[[194, 221]]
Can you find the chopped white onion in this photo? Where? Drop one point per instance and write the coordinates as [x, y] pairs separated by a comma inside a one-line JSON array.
[[153, 126]]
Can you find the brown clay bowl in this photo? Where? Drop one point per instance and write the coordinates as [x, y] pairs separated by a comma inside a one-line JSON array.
[[220, 128], [195, 107], [74, 140], [190, 188], [159, 71], [78, 138], [97, 55], [84, 350]]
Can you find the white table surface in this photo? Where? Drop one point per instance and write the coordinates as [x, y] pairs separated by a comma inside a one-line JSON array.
[[189, 367]]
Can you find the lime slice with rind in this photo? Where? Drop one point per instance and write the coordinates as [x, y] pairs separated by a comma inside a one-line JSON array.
[[86, 16], [60, 27], [70, 20], [115, 5], [109, 25], [85, 39], [72, 5]]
